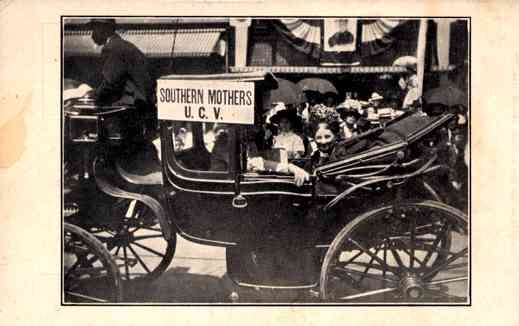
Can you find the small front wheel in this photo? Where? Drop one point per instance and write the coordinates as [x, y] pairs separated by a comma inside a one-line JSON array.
[[89, 273], [136, 241]]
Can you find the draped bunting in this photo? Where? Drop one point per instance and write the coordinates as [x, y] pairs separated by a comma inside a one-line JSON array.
[[302, 34], [340, 37], [376, 35]]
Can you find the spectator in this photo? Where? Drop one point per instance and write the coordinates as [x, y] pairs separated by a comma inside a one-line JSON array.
[[287, 139]]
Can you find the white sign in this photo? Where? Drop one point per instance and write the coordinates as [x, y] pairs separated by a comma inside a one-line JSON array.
[[206, 101]]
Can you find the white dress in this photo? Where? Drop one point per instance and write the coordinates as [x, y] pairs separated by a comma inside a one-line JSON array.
[[289, 141]]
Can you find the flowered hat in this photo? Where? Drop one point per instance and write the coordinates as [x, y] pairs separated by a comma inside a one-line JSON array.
[[323, 114]]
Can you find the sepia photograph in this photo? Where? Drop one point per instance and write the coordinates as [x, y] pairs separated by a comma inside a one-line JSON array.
[[273, 160]]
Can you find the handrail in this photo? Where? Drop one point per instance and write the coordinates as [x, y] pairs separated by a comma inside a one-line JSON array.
[[350, 190], [381, 169]]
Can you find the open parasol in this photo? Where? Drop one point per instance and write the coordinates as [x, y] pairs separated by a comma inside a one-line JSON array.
[[317, 85], [407, 61], [287, 92]]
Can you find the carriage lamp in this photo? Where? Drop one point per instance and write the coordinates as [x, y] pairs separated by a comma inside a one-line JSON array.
[[239, 201]]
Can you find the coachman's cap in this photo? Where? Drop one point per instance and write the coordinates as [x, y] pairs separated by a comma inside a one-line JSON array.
[[102, 21]]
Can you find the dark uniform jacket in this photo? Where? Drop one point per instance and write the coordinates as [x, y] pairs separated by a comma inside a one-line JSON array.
[[127, 81], [125, 71]]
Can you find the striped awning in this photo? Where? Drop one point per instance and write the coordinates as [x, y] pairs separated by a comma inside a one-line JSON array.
[[329, 70], [158, 43]]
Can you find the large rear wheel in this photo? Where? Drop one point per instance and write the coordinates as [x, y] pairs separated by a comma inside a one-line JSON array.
[[410, 252]]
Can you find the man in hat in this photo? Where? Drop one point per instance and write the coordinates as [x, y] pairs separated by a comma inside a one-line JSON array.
[[125, 75]]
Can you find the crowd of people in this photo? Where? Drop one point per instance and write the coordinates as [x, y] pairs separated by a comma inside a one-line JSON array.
[[318, 129], [307, 131], [312, 129]]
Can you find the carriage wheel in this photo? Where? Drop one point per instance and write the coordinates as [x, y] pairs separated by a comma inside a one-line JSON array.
[[89, 273], [413, 252], [136, 241]]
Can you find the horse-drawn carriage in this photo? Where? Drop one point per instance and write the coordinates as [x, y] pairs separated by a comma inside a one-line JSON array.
[[370, 227]]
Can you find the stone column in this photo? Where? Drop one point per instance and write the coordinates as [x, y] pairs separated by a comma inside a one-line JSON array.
[[241, 30]]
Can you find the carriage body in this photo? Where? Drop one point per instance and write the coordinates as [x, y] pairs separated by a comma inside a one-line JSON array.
[[277, 233]]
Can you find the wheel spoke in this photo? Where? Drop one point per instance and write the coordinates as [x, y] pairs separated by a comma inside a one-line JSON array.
[[351, 281], [412, 244], [373, 276], [142, 237], [385, 258], [391, 269], [454, 257], [448, 280], [139, 259], [71, 269], [377, 259], [454, 266], [117, 250], [396, 255], [353, 258], [413, 258], [152, 229], [84, 296], [369, 265], [444, 230], [126, 268], [148, 249], [369, 293]]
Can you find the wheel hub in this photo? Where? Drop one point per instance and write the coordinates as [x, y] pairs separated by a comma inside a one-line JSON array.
[[412, 287], [123, 238]]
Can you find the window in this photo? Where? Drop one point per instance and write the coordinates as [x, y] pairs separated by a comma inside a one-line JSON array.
[[202, 146]]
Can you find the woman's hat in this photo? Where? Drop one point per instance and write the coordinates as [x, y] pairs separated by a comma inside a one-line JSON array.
[[289, 114], [321, 113], [348, 113], [376, 97]]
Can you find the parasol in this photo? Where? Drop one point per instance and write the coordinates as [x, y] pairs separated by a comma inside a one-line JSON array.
[[407, 61], [317, 85], [287, 92], [70, 83], [448, 94]]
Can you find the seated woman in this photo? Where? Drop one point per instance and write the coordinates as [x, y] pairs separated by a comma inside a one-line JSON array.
[[326, 130], [287, 139], [349, 125]]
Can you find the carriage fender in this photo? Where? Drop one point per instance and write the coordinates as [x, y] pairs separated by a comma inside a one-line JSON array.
[[152, 203], [160, 212]]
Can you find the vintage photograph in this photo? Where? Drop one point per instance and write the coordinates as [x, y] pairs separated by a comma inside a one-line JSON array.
[[265, 160]]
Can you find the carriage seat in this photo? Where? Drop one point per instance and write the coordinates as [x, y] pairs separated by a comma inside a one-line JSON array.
[[140, 168], [401, 129], [381, 145]]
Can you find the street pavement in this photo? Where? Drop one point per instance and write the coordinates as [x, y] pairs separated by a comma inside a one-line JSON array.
[[197, 275]]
